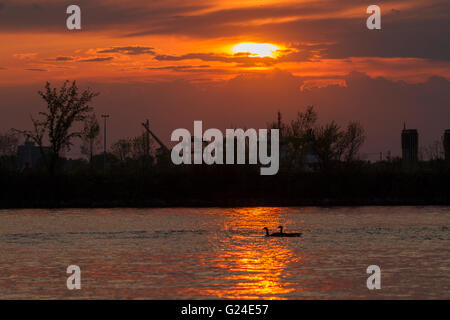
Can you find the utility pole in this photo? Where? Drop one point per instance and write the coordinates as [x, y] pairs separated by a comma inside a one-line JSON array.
[[104, 116], [147, 147]]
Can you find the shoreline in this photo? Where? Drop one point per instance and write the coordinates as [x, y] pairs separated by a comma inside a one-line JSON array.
[[157, 203], [234, 188]]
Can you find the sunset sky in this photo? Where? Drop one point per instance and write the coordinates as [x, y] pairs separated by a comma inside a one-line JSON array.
[[234, 62]]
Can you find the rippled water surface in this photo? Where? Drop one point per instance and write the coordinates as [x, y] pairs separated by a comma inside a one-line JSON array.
[[222, 253]]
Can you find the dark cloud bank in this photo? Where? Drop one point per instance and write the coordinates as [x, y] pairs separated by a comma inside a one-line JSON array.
[[420, 31]]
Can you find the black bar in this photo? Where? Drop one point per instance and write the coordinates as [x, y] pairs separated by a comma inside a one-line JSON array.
[[225, 309]]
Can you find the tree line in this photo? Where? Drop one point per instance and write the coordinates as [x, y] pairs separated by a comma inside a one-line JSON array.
[[141, 174], [305, 142]]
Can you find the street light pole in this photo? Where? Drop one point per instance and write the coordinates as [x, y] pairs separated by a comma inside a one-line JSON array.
[[104, 116]]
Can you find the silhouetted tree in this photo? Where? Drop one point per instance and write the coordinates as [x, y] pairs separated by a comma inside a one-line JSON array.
[[299, 134], [138, 147], [89, 136], [132, 149], [433, 151], [122, 149], [296, 136], [8, 150], [65, 107], [8, 143], [328, 142], [351, 141]]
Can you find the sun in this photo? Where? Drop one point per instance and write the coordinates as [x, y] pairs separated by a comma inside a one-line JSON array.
[[254, 49]]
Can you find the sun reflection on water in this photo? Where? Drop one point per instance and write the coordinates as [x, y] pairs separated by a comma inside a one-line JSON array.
[[253, 267], [212, 253]]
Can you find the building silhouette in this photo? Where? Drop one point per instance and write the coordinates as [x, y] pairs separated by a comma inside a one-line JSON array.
[[29, 155], [410, 145], [447, 144]]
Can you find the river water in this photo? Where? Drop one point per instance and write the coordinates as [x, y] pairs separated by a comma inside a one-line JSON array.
[[216, 253]]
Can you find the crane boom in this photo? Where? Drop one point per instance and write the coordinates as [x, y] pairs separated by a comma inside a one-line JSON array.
[[154, 136]]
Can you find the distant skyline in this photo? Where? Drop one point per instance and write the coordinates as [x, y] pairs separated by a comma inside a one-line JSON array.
[[174, 62]]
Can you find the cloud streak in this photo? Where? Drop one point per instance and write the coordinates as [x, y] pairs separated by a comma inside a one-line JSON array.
[[130, 50], [61, 59], [239, 59], [36, 69], [97, 59]]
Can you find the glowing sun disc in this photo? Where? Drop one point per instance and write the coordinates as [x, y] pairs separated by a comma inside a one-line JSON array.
[[256, 49]]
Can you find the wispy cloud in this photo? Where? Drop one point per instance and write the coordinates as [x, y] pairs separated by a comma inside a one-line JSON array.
[[178, 67], [191, 68], [61, 59], [36, 69], [130, 50], [294, 54], [240, 59], [97, 59], [25, 56]]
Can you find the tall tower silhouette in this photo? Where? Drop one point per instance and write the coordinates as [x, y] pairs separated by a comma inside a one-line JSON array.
[[410, 145], [447, 145]]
